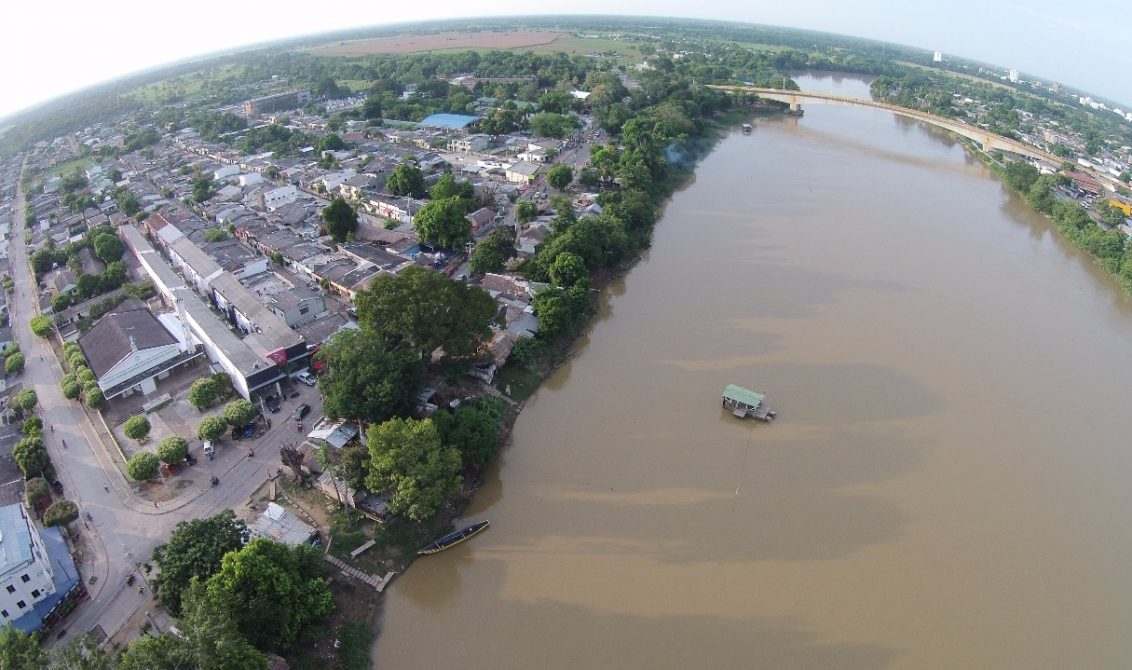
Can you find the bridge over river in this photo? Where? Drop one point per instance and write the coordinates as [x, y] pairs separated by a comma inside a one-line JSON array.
[[988, 140]]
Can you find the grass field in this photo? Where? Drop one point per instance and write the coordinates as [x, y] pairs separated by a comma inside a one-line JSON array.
[[958, 75], [68, 167], [186, 85], [439, 41]]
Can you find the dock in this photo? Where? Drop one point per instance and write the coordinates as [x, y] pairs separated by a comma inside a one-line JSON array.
[[745, 403]]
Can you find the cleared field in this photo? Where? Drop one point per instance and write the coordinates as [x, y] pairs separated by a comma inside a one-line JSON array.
[[439, 41], [958, 75]]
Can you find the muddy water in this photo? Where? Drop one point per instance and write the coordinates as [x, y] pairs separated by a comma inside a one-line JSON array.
[[948, 484]]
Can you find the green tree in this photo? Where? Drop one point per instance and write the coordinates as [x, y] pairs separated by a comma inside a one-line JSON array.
[[557, 102], [108, 247], [25, 399], [82, 652], [1020, 176], [568, 269], [448, 187], [60, 513], [211, 428], [172, 450], [367, 379], [19, 651], [547, 124], [406, 179], [195, 549], [526, 211], [272, 591], [493, 251], [331, 142], [215, 235], [31, 456], [371, 109], [240, 412], [560, 176], [202, 188], [444, 222], [473, 429], [136, 427], [204, 392], [36, 489], [14, 363], [32, 426], [408, 459], [559, 310], [40, 325], [341, 219], [142, 466], [427, 310]]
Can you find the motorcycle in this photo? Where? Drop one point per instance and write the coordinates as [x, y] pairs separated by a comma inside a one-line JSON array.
[[215, 480]]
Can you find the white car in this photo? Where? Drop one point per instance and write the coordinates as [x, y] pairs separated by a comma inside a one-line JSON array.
[[306, 378]]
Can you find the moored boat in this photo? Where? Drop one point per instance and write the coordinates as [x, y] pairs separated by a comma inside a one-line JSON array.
[[453, 539]]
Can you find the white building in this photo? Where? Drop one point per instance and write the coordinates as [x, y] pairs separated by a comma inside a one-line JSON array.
[[937, 57], [130, 351], [225, 172], [250, 179], [276, 198], [25, 567], [1013, 76]]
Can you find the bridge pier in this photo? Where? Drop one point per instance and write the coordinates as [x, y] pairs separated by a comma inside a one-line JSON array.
[[794, 104]]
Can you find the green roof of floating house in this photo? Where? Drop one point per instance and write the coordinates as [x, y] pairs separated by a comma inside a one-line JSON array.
[[740, 394]]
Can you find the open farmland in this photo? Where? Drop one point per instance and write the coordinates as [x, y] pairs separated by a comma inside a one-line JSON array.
[[437, 41]]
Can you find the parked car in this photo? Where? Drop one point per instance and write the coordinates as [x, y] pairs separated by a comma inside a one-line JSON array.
[[57, 485], [300, 412], [190, 459], [208, 450], [306, 378], [273, 404]]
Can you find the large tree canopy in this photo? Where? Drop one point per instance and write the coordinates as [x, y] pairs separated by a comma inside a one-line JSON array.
[[208, 640], [194, 550], [271, 591], [406, 179], [443, 222], [341, 219], [366, 378], [427, 310], [408, 459], [20, 651]]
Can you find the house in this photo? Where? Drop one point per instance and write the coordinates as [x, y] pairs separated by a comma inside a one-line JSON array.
[[63, 281], [297, 306], [275, 198], [36, 571], [279, 525], [521, 172], [481, 220], [130, 351], [354, 187], [469, 144], [530, 238]]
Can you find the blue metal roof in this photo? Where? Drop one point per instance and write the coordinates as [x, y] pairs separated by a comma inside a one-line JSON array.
[[448, 121]]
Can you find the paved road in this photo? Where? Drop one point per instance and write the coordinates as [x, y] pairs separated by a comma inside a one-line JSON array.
[[125, 527]]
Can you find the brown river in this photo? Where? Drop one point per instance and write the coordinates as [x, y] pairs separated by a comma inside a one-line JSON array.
[[948, 483]]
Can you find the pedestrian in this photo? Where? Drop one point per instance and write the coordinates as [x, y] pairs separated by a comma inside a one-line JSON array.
[[154, 504], [106, 487]]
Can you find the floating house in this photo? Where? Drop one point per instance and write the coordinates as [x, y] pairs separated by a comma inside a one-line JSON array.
[[744, 403]]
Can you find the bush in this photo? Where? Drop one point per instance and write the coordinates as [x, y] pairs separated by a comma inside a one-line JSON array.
[[93, 398], [136, 428], [85, 375], [142, 466], [71, 387], [40, 325], [240, 412], [25, 399], [172, 450], [60, 512], [211, 428], [36, 489]]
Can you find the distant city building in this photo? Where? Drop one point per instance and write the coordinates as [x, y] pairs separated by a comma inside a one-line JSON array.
[[278, 102], [1056, 88], [937, 57], [1013, 76]]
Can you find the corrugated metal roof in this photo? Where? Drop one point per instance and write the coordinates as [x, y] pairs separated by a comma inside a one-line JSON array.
[[745, 396]]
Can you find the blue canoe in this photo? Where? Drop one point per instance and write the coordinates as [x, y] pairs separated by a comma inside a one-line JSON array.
[[453, 539]]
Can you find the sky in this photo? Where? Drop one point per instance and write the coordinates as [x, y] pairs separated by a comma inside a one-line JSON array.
[[50, 49]]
